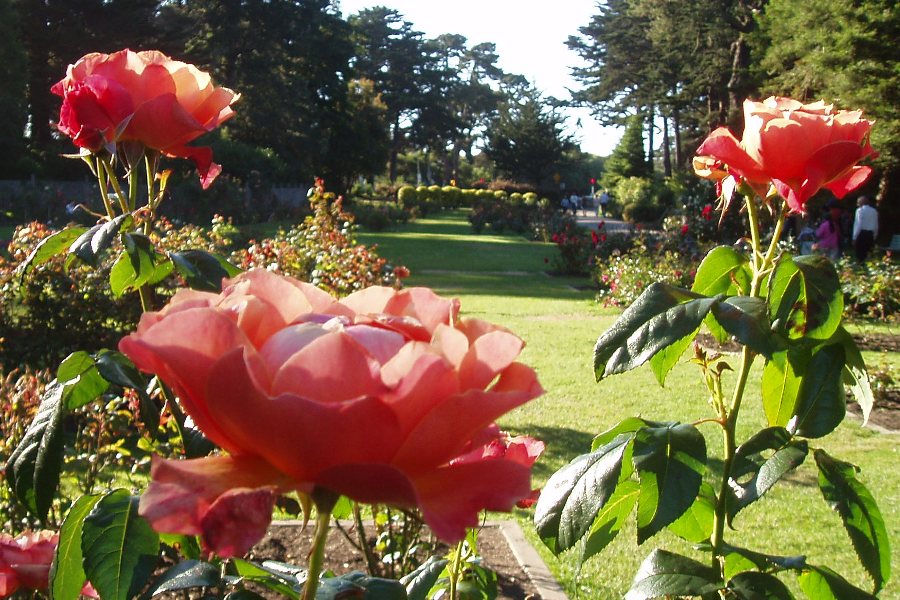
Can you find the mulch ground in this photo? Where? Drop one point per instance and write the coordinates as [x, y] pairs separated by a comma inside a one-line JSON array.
[[290, 543], [885, 413]]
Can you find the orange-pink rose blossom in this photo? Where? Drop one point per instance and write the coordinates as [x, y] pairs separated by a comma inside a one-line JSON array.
[[385, 396], [799, 148], [146, 97]]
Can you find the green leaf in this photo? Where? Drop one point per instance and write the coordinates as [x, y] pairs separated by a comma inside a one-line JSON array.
[[766, 458], [696, 524], [118, 369], [34, 466], [574, 495], [628, 425], [824, 297], [611, 518], [787, 298], [821, 402], [751, 585], [140, 264], [745, 318], [360, 585], [91, 244], [664, 574], [66, 573], [821, 583], [272, 579], [185, 575], [805, 297], [81, 380], [120, 548], [780, 384], [670, 462], [856, 376], [723, 271], [49, 247], [858, 510], [739, 559], [421, 580], [202, 270], [663, 361], [661, 316]]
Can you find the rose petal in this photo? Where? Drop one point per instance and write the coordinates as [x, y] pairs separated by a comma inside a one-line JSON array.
[[237, 520]]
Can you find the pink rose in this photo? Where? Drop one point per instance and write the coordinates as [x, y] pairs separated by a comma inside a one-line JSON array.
[[799, 148], [25, 561], [385, 396], [146, 97]]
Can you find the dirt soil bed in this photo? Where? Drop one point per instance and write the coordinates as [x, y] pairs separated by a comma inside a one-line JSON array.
[[290, 543], [886, 411]]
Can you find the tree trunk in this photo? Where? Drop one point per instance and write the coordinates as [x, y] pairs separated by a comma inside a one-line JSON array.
[[395, 149], [676, 127], [667, 158], [650, 140]]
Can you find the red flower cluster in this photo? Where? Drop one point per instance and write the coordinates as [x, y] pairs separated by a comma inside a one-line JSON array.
[[707, 212]]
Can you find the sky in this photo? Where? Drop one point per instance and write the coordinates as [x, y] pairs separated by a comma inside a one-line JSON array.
[[530, 36]]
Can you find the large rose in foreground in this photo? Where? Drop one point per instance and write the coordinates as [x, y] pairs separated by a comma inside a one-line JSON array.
[[800, 148], [25, 561], [385, 396], [146, 97]]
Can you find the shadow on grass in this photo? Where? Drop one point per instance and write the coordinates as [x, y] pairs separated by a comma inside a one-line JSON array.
[[537, 285], [565, 442]]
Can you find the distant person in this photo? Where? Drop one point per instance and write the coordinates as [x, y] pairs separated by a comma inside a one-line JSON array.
[[865, 228], [828, 234], [575, 203], [604, 200]]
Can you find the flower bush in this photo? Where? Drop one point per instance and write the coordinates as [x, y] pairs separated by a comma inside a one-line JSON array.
[[259, 385], [782, 309], [871, 289], [322, 250]]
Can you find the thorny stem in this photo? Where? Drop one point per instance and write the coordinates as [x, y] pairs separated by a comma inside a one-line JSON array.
[[371, 561], [761, 265]]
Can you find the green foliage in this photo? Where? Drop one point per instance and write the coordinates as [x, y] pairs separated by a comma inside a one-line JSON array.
[[526, 141], [627, 160], [870, 288]]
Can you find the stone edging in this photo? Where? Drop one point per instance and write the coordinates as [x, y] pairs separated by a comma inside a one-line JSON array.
[[530, 561]]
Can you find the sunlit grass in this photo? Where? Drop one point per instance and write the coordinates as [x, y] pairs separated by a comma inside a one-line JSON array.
[[502, 279]]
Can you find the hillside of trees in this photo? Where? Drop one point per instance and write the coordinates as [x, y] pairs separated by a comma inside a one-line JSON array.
[[371, 96]]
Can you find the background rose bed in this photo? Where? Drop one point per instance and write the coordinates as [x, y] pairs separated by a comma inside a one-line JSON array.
[[475, 351]]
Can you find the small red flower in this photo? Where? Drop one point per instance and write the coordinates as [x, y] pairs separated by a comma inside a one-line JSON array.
[[707, 212], [684, 229]]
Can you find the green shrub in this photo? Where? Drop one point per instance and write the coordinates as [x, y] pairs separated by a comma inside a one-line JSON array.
[[530, 198], [452, 196], [871, 289], [407, 197]]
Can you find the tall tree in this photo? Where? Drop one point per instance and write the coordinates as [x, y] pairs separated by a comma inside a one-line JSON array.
[[526, 141], [12, 94], [842, 52], [391, 53], [628, 159]]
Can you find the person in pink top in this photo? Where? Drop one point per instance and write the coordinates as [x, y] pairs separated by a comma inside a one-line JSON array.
[[828, 234]]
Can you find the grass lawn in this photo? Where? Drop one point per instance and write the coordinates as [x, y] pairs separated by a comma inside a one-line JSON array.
[[502, 279]]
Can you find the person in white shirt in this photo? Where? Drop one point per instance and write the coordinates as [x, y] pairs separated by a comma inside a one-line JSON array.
[[865, 228]]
